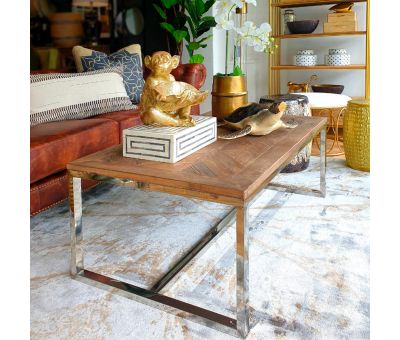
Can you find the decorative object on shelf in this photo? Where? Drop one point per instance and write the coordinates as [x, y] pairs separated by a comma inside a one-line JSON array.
[[332, 106], [128, 57], [342, 20], [288, 16], [356, 134], [229, 88], [256, 119], [92, 23], [304, 58], [296, 105], [297, 87], [169, 144], [190, 23], [344, 7], [300, 87], [165, 101], [66, 29], [337, 57], [303, 26], [305, 52], [328, 88]]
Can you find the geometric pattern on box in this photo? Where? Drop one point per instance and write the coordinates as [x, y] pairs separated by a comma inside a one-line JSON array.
[[65, 96], [169, 144], [129, 58]]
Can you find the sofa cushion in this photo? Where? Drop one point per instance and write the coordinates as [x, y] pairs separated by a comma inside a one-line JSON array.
[[65, 96], [125, 119], [55, 144], [130, 58]]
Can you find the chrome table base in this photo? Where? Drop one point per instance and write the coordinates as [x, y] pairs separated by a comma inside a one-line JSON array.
[[152, 297]]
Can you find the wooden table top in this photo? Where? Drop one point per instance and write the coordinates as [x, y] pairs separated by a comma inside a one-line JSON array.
[[236, 168]]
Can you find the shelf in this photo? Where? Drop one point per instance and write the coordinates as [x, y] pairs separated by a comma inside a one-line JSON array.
[[319, 67], [300, 3], [316, 35]]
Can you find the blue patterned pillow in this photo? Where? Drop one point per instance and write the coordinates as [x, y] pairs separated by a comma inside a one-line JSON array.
[[89, 60]]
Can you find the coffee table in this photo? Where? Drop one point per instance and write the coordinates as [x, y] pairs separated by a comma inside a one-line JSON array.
[[231, 172]]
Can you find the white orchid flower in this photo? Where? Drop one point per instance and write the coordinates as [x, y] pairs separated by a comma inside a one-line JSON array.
[[253, 2], [224, 23], [237, 3], [265, 28]]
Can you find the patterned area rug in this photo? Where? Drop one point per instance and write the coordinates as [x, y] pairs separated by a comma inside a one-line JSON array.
[[309, 263]]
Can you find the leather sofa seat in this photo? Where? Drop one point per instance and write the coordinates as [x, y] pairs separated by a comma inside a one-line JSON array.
[[55, 144], [125, 119]]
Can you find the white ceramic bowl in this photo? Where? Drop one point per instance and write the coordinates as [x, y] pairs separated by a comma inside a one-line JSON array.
[[305, 60], [320, 100], [305, 52], [337, 59], [337, 51]]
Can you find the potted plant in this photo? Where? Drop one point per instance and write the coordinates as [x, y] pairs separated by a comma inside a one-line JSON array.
[[229, 90], [186, 21]]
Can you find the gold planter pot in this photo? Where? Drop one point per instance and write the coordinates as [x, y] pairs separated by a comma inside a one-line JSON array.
[[228, 93]]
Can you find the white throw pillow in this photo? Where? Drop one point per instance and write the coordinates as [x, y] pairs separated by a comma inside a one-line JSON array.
[[63, 96], [317, 100]]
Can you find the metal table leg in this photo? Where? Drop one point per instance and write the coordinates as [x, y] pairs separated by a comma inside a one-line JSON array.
[[322, 162], [242, 270], [75, 207]]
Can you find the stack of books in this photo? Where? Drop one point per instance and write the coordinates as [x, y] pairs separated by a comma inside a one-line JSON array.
[[341, 22]]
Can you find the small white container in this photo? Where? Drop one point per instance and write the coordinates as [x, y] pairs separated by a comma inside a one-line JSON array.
[[168, 144], [337, 59], [305, 60], [305, 52], [337, 51]]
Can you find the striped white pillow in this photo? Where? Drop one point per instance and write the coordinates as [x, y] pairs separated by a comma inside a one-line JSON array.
[[63, 96]]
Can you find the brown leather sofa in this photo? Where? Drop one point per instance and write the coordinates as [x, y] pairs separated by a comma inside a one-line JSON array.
[[55, 144]]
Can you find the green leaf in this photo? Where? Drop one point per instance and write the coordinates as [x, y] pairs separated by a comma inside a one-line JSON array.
[[237, 71], [196, 59], [191, 9], [168, 27], [206, 18], [205, 38], [169, 3], [191, 25], [160, 11], [194, 45], [199, 7], [208, 5], [179, 35], [205, 26]]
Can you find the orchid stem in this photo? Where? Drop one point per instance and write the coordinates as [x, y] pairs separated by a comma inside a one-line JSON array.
[[226, 52]]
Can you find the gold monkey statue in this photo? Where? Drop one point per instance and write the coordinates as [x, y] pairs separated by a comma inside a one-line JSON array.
[[164, 100]]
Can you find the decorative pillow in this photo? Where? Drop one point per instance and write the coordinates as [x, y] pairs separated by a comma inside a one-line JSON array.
[[63, 96], [130, 58]]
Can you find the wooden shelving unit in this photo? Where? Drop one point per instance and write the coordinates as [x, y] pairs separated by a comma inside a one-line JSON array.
[[275, 67], [305, 3], [319, 67], [318, 35]]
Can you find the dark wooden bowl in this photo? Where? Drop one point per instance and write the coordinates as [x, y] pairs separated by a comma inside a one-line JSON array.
[[328, 88], [303, 26]]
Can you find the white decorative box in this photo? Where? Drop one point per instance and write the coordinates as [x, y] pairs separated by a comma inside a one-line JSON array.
[[169, 144]]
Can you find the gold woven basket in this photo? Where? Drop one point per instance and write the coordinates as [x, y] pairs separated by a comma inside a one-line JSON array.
[[356, 129]]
